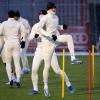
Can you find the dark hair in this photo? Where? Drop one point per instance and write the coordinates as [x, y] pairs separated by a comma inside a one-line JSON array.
[[17, 13], [44, 12], [11, 13], [50, 5]]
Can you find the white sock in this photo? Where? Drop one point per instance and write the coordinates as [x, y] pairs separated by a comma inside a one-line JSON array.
[[18, 80], [8, 70], [35, 85], [68, 83], [35, 88], [45, 86], [72, 57], [13, 77]]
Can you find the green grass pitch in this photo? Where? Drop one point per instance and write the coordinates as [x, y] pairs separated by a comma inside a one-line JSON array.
[[76, 73]]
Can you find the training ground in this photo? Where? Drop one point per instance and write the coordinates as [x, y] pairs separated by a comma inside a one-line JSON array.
[[78, 75]]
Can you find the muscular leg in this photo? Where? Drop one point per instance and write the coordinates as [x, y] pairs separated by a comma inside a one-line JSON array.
[[2, 49], [47, 61], [8, 69], [46, 73], [1, 44], [35, 66], [16, 57], [56, 68], [25, 59], [69, 41], [8, 57]]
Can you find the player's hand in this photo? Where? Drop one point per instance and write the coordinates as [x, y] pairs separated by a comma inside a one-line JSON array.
[[22, 44], [54, 37], [64, 26], [36, 35]]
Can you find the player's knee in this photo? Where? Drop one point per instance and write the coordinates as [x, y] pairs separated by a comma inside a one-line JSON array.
[[45, 71], [18, 69], [34, 71], [58, 71]]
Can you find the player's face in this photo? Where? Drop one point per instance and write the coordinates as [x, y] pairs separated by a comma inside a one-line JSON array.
[[16, 18], [53, 10]]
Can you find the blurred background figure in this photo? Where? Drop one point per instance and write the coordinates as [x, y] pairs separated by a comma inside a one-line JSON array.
[[24, 58]]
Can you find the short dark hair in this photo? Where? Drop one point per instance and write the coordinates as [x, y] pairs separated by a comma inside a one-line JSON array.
[[17, 13], [11, 13], [44, 12], [50, 5]]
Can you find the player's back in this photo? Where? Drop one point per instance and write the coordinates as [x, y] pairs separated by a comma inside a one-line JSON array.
[[1, 36], [11, 30], [25, 23]]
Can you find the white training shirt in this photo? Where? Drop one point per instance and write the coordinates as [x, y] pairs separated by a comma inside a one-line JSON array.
[[42, 41], [47, 26], [34, 31], [1, 37], [51, 24], [26, 24], [11, 29]]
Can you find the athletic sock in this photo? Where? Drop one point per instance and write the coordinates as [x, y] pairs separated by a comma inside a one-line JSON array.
[[68, 83], [45, 86], [35, 88], [72, 57]]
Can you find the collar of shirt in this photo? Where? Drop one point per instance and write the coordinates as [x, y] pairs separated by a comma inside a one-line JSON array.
[[11, 19], [53, 16]]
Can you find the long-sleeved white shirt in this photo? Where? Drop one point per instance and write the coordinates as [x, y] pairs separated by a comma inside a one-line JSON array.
[[48, 26], [11, 29], [1, 37], [42, 41], [51, 24], [34, 31], [26, 25]]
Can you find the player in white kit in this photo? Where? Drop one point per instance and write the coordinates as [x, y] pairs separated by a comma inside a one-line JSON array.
[[1, 42], [52, 30], [24, 58], [10, 29], [1, 46], [50, 22], [38, 58]]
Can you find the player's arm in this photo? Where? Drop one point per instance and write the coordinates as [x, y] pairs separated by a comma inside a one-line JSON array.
[[41, 26], [1, 28], [34, 32], [23, 35], [22, 32], [27, 26], [62, 27]]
